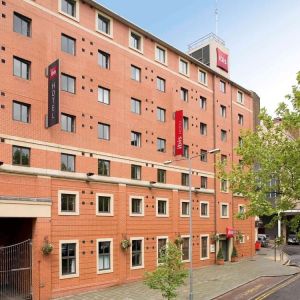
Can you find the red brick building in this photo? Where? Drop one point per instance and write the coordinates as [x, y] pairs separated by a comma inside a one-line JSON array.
[[98, 177]]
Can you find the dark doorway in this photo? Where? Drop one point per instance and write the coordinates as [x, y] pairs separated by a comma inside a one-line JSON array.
[[223, 244]]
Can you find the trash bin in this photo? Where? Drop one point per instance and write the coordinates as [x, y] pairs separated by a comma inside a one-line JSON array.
[[257, 245]]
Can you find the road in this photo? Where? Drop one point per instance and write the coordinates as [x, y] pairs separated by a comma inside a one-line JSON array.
[[294, 253]]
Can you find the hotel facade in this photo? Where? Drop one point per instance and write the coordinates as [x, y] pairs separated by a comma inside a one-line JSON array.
[[72, 194]]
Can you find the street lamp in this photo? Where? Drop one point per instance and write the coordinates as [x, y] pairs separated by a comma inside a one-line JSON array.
[[189, 159]]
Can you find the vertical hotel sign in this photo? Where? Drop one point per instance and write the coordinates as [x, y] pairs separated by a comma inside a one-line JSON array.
[[179, 132], [53, 93], [222, 60]]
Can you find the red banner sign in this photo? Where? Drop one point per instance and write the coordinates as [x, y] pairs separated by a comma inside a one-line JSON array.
[[179, 132], [230, 232], [222, 60], [53, 93]]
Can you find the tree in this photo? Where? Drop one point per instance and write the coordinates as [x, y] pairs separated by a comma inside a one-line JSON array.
[[269, 169], [170, 273]]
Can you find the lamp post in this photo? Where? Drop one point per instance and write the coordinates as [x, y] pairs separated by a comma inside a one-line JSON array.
[[189, 159]]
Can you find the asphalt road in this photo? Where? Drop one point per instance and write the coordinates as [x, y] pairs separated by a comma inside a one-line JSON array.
[[294, 252], [289, 290]]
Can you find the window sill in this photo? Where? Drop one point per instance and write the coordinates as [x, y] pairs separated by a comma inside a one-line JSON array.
[[60, 213], [69, 16], [69, 276], [104, 272], [105, 214], [137, 267]]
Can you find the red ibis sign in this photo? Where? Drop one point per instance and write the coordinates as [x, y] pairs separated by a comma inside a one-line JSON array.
[[230, 232], [222, 60], [179, 132]]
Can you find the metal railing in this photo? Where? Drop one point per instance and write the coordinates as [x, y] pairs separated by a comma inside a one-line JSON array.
[[15, 271], [204, 39]]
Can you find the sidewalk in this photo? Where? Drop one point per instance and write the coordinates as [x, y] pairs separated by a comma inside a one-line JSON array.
[[209, 282]]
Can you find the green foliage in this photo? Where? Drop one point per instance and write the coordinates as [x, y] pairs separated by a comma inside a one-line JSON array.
[[234, 252], [170, 273], [220, 254], [269, 176]]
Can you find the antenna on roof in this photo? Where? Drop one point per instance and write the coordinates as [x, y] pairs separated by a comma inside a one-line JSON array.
[[217, 17]]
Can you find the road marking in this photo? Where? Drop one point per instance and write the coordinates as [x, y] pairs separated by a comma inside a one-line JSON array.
[[278, 287]]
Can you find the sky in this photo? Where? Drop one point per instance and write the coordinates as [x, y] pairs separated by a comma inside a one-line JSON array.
[[263, 36]]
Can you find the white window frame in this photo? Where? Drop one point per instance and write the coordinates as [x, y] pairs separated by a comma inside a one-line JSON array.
[[142, 41], [208, 245], [237, 97], [204, 202], [199, 72], [241, 205], [186, 236], [188, 66], [158, 238], [77, 259], [143, 253], [240, 119], [185, 201], [227, 186], [67, 15], [142, 214], [167, 207], [166, 54], [107, 17], [62, 213], [111, 213], [111, 255], [221, 216]]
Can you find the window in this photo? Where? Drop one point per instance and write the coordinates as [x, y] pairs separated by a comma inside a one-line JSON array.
[[135, 73], [184, 94], [202, 77], [69, 259], [240, 119], [223, 158], [68, 44], [67, 162], [161, 246], [104, 256], [161, 54], [161, 114], [103, 131], [135, 106], [103, 59], [223, 111], [222, 86], [20, 156], [223, 135], [22, 68], [136, 172], [186, 123], [103, 167], [105, 204], [136, 206], [186, 151], [184, 179], [161, 145], [184, 208], [203, 182], [21, 112], [203, 129], [136, 41], [104, 24], [137, 253], [103, 95], [203, 155], [204, 209], [162, 207], [161, 176], [224, 210], [240, 97], [242, 240], [240, 140], [22, 24], [68, 203], [136, 139], [203, 103], [68, 83], [185, 247], [241, 209], [183, 67], [68, 123], [224, 185], [204, 247], [69, 7], [161, 84]]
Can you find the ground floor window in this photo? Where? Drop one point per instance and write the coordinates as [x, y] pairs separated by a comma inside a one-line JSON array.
[[104, 252], [69, 259], [161, 246], [185, 248], [204, 247], [137, 253]]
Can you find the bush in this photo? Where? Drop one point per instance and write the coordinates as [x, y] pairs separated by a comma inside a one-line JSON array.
[[234, 252], [220, 254]]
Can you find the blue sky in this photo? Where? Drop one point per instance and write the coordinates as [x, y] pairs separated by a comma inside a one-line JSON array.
[[263, 36]]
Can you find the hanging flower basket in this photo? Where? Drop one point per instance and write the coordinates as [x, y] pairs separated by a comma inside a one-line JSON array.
[[47, 247], [125, 244], [178, 241], [215, 237], [239, 237]]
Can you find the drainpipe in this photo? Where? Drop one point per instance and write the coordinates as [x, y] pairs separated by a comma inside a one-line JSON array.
[[215, 159]]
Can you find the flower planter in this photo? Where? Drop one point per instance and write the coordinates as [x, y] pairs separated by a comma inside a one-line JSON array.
[[220, 262], [234, 259]]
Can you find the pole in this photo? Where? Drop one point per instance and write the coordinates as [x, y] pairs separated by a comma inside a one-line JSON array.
[[191, 231], [275, 248]]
